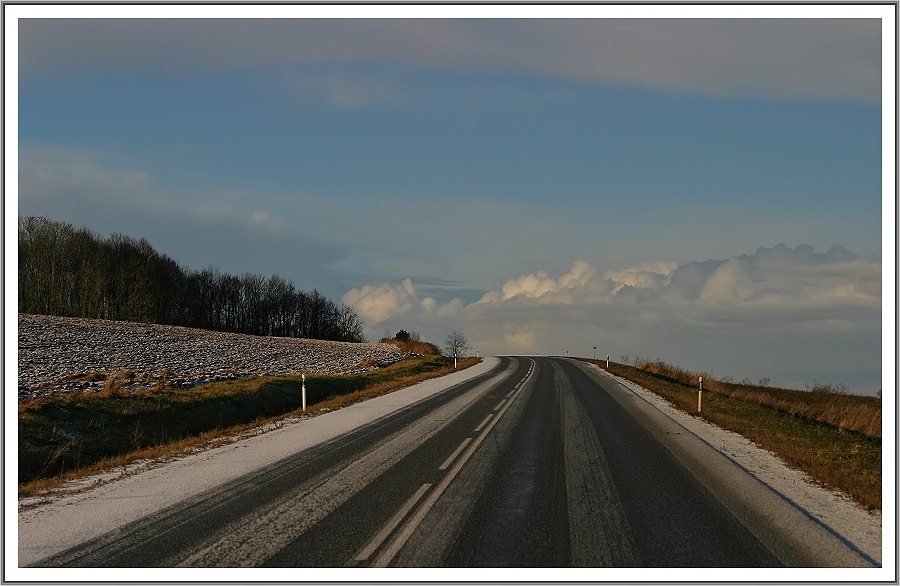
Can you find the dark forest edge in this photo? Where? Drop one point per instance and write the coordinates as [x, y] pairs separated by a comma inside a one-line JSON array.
[[74, 272]]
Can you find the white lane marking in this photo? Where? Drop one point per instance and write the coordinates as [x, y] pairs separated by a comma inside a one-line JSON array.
[[405, 532], [483, 423], [456, 453], [249, 540], [500, 404], [392, 523]]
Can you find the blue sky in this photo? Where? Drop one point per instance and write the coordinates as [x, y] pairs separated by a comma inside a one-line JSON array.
[[541, 185]]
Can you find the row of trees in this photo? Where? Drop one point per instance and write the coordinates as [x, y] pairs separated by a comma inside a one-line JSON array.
[[73, 272]]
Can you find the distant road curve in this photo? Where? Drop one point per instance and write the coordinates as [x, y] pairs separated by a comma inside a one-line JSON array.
[[528, 462]]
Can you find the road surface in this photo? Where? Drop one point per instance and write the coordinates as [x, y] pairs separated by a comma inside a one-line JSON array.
[[536, 462]]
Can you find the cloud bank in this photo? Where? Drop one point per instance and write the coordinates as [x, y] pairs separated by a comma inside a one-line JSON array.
[[803, 58], [738, 314]]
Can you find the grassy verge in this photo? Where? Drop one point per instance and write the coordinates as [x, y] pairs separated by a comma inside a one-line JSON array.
[[831, 453], [69, 436]]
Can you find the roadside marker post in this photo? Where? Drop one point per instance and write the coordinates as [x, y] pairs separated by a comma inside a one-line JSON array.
[[607, 362], [700, 395], [304, 391]]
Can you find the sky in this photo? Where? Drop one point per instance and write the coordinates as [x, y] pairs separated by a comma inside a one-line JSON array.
[[638, 182]]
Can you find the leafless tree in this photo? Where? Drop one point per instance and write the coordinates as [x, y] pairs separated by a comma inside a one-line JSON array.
[[456, 344]]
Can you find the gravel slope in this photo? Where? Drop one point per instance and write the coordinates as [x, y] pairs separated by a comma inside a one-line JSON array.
[[62, 355]]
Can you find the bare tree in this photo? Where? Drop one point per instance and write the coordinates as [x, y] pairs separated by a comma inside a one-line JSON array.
[[456, 344]]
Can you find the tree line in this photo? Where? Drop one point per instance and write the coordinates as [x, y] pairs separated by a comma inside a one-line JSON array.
[[74, 272]]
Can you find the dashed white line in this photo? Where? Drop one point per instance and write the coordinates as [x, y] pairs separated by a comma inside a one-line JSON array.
[[453, 456], [403, 534], [483, 423], [392, 523], [405, 531]]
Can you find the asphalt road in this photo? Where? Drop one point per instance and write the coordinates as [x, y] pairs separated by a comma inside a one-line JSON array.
[[541, 462]]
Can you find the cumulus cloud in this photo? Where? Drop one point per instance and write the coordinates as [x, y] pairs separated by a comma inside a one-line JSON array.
[[794, 310], [786, 278], [771, 278], [540, 286], [647, 275], [378, 303], [729, 283]]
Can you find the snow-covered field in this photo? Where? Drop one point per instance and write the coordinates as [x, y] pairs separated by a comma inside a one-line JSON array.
[[56, 353]]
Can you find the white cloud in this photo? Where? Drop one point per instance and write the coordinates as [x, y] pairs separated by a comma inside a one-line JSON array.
[[540, 286], [779, 312], [729, 283], [450, 309], [378, 303], [647, 275], [429, 304], [770, 279]]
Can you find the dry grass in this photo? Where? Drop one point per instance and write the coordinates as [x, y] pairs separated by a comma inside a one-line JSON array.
[[828, 404]]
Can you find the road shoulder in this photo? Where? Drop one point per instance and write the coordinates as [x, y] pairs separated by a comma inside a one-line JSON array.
[[103, 502], [837, 514]]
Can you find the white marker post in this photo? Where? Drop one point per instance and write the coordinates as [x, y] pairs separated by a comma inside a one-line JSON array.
[[700, 395], [304, 392], [607, 362]]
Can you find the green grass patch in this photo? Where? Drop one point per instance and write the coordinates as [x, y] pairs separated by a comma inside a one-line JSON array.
[[831, 454], [68, 436]]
